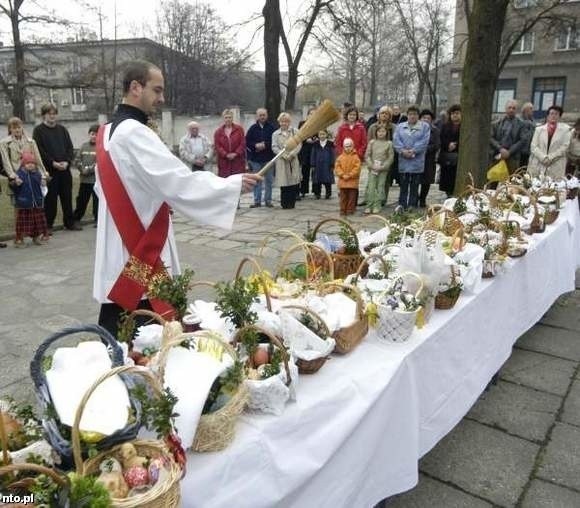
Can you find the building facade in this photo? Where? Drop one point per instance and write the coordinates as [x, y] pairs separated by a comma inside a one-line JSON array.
[[544, 67]]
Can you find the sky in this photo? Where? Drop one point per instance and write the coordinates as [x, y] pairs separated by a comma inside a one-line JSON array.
[[132, 15]]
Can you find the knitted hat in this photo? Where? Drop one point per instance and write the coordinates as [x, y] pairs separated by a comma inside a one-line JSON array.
[[27, 157]]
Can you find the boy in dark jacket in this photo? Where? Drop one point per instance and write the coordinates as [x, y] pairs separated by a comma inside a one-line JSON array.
[[29, 202], [86, 165]]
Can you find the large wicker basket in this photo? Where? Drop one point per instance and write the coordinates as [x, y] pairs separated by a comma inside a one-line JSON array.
[[441, 219], [52, 432], [348, 337], [344, 264], [215, 431], [319, 263], [551, 214], [165, 493]]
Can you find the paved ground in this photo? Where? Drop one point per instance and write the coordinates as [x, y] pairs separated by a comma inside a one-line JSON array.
[[518, 446]]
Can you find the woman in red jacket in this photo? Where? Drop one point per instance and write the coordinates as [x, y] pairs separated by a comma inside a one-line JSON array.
[[230, 146], [353, 129]]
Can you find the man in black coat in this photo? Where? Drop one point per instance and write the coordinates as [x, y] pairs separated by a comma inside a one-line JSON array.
[[56, 150], [428, 176]]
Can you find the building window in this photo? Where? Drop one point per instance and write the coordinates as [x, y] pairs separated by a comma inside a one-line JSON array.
[[522, 4], [76, 64], [52, 96], [548, 92], [525, 44], [568, 38], [78, 96], [505, 91]]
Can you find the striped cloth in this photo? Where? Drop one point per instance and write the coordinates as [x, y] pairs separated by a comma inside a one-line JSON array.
[[30, 222]]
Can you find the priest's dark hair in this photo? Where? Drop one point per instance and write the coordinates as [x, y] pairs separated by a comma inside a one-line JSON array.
[[137, 70]]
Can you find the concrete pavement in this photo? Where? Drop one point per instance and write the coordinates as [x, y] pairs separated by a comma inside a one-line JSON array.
[[518, 446]]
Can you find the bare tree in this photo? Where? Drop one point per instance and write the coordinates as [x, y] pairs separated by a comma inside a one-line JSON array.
[[272, 30]]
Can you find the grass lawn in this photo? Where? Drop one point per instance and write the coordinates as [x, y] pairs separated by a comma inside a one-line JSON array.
[[7, 210]]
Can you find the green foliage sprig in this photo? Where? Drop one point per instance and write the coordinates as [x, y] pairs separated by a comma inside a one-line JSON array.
[[273, 368], [234, 300], [86, 492], [348, 239], [173, 290], [157, 412]]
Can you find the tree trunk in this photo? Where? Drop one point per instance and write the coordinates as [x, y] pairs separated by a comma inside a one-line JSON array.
[[420, 92], [19, 92], [272, 28], [291, 89], [480, 72], [352, 78]]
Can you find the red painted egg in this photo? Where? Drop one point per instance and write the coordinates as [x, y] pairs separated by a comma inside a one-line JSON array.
[[136, 476]]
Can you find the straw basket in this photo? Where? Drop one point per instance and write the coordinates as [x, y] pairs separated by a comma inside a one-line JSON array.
[[445, 301], [319, 264], [550, 215], [52, 431], [348, 337], [344, 264], [215, 431], [397, 325], [442, 219], [571, 193], [247, 260], [311, 366], [165, 493], [363, 224], [538, 225]]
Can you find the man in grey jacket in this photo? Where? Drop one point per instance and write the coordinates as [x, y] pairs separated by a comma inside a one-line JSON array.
[[508, 137]]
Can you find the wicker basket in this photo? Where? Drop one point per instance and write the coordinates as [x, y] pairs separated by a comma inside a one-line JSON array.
[[319, 262], [311, 366], [349, 337], [215, 431], [372, 218], [285, 233], [165, 493], [364, 263], [537, 225], [247, 260], [344, 264], [441, 219], [443, 301], [52, 432], [550, 215], [571, 193]]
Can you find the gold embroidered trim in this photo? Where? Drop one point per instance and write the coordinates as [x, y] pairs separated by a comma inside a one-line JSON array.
[[138, 271]]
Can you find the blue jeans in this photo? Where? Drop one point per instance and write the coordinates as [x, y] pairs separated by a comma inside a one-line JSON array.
[[409, 189], [268, 181]]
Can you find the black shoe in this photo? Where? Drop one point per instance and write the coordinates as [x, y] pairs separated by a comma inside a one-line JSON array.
[[3, 245], [317, 196], [327, 196], [269, 204], [75, 227], [257, 205], [298, 198]]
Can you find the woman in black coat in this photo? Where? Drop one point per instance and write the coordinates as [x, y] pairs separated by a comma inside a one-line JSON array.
[[322, 164], [449, 150], [430, 156]]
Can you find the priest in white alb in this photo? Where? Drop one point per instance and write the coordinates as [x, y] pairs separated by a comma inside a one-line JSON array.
[[138, 181]]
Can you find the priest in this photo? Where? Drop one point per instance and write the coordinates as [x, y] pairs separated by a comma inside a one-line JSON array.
[[138, 181]]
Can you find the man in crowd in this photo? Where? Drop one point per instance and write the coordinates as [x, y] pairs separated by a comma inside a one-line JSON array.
[[527, 117], [86, 161], [428, 176], [194, 148], [508, 137], [138, 181], [259, 151], [56, 150]]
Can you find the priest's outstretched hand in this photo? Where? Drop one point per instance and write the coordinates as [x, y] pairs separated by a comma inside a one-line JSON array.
[[249, 181]]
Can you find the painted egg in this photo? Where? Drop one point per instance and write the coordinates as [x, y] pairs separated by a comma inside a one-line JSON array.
[[136, 476], [154, 468]]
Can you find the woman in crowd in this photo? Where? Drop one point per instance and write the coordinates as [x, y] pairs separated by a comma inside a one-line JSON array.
[[573, 154], [288, 171], [230, 146], [549, 146], [448, 154], [322, 164], [353, 129], [383, 119]]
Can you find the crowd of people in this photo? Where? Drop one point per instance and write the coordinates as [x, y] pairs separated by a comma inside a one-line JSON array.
[[390, 146]]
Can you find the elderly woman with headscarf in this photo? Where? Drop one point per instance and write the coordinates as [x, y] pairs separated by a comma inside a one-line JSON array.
[[194, 148], [230, 146]]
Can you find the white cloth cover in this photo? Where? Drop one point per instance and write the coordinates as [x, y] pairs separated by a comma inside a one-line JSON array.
[[210, 318], [303, 342], [148, 337], [270, 395], [73, 371], [471, 274]]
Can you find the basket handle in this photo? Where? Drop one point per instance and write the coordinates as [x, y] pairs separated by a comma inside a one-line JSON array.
[[313, 314], [4, 442], [380, 218], [338, 221], [416, 276], [125, 369], [306, 246], [164, 351], [61, 481], [274, 340], [365, 261], [260, 272], [459, 233], [349, 287], [36, 372], [283, 231]]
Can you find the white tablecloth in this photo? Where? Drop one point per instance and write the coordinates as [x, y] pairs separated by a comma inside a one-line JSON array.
[[361, 423]]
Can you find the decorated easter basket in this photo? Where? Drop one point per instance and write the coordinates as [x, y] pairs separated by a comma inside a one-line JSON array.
[[216, 430], [348, 337], [445, 300], [166, 491], [344, 264], [52, 430], [318, 262], [441, 219], [551, 214]]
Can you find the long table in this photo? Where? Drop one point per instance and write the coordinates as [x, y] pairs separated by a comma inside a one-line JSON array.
[[361, 424]]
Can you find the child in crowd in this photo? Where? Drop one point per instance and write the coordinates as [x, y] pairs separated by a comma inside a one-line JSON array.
[[322, 165], [29, 189], [86, 165], [347, 168], [379, 159]]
